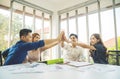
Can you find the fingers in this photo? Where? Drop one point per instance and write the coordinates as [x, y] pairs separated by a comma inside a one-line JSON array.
[[60, 36], [63, 38], [93, 48]]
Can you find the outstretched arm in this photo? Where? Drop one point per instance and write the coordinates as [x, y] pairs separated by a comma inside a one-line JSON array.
[[59, 38], [85, 46], [52, 42], [49, 45]]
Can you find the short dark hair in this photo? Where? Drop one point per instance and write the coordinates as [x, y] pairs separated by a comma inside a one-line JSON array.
[[24, 32], [73, 35]]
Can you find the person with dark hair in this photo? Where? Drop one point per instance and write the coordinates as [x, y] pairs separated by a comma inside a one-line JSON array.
[[35, 54], [73, 35], [17, 53], [98, 55], [73, 50]]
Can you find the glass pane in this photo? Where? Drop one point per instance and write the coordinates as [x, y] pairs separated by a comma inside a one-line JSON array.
[[64, 26], [16, 26], [29, 18], [118, 25], [38, 25], [93, 24], [4, 24], [17, 20], [47, 53], [46, 29], [82, 34], [29, 22], [72, 26], [108, 33]]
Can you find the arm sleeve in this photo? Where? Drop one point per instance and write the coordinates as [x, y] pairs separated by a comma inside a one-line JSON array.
[[99, 49], [31, 46]]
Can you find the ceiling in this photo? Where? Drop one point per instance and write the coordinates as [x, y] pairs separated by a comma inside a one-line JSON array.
[[56, 5], [53, 5]]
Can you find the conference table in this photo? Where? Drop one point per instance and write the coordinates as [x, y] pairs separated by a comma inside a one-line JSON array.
[[71, 70]]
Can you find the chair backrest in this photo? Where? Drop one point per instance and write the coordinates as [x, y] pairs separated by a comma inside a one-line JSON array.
[[5, 53], [115, 53], [1, 58]]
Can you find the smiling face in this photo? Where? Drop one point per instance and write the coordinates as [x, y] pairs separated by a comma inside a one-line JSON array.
[[35, 37], [96, 39], [93, 40], [73, 38]]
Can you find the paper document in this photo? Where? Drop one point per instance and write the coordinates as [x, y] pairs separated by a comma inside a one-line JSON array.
[[98, 68], [79, 64]]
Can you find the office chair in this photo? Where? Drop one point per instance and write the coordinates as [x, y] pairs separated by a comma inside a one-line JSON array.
[[1, 58]]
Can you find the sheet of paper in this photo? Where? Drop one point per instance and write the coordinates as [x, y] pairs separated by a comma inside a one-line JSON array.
[[79, 64], [98, 68]]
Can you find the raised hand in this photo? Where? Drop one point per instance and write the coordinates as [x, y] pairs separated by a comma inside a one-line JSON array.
[[61, 36]]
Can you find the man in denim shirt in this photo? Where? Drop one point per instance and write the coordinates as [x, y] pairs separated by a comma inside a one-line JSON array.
[[17, 53]]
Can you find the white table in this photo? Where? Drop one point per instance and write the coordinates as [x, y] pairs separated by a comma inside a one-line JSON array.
[[56, 71]]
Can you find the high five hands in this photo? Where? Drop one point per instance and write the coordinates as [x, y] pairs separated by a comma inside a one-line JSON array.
[[61, 37]]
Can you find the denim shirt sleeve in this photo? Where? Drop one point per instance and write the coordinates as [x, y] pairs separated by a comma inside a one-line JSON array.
[[31, 46], [99, 48]]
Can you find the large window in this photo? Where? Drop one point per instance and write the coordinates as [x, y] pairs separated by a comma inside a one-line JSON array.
[[47, 26], [93, 23], [118, 25], [16, 26], [38, 26], [108, 33], [82, 34], [72, 26], [103, 22], [22, 17], [28, 22], [4, 22], [64, 26]]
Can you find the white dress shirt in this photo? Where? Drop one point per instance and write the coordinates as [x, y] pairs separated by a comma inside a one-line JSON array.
[[73, 53]]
